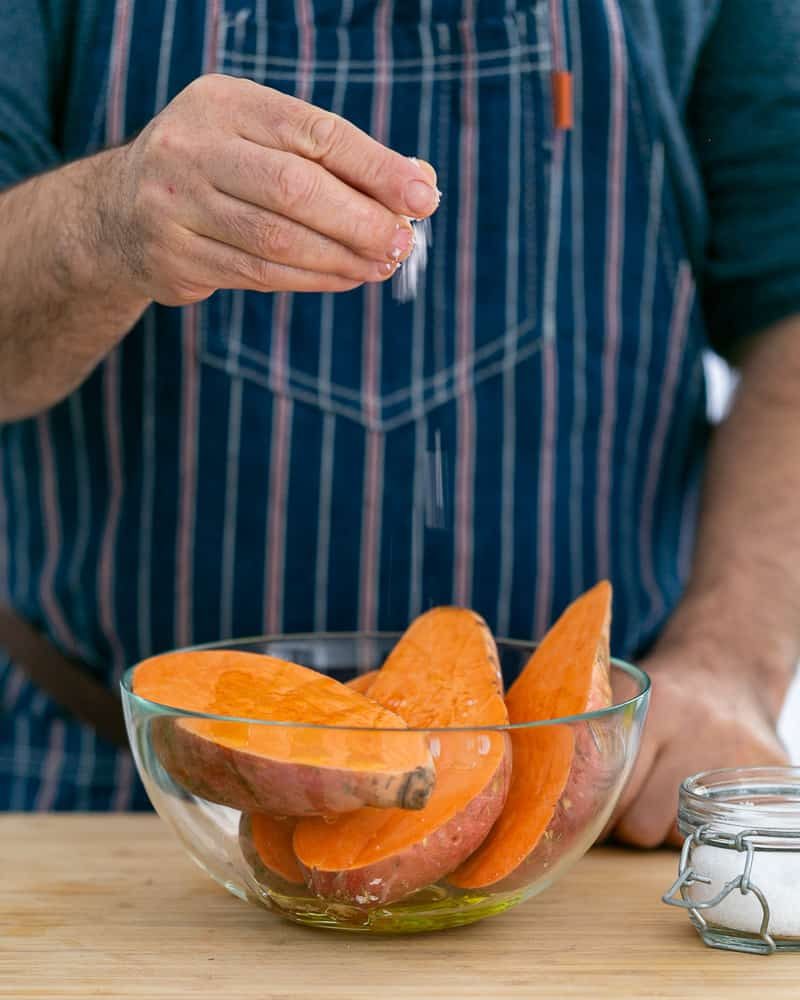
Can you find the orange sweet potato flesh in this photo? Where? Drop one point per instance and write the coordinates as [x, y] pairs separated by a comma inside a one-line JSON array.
[[286, 770], [443, 673], [568, 674], [266, 843], [363, 682]]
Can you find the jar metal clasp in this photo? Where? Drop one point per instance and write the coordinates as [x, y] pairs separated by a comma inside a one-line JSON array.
[[687, 876]]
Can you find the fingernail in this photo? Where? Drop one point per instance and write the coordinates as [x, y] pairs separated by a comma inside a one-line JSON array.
[[426, 168], [403, 241], [420, 198], [385, 269]]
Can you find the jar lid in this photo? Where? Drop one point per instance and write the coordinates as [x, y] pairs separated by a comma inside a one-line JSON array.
[[764, 801]]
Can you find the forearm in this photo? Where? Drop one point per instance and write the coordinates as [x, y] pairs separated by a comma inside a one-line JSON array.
[[65, 297], [743, 598]]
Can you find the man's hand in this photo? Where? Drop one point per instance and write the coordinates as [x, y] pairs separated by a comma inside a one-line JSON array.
[[705, 712], [724, 663], [235, 185]]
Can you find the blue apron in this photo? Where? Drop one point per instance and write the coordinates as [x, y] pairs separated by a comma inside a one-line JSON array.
[[263, 463]]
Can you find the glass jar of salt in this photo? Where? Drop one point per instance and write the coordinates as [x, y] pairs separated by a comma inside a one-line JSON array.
[[739, 873]]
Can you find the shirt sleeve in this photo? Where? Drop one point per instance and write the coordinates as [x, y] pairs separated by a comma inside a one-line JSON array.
[[745, 124], [27, 143]]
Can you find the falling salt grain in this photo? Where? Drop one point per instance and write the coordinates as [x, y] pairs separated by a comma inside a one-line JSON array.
[[484, 744], [435, 747], [408, 275]]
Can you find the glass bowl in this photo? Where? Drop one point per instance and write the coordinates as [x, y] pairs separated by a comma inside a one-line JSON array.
[[207, 797]]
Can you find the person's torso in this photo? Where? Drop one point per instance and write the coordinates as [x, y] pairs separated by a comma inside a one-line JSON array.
[[532, 422]]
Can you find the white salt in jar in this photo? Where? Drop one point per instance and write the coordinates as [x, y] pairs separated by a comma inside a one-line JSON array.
[[739, 874]]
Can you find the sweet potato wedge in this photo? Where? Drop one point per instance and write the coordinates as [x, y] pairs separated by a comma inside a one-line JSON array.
[[568, 674], [266, 844], [363, 682], [377, 856], [594, 769], [443, 673], [287, 770]]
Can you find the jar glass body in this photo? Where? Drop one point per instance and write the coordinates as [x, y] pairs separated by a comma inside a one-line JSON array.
[[739, 876]]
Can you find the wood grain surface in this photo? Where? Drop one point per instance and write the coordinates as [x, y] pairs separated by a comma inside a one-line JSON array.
[[109, 906]]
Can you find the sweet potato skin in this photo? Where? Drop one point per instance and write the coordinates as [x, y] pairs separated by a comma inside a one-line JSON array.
[[423, 862], [594, 772], [591, 780], [594, 767], [255, 783]]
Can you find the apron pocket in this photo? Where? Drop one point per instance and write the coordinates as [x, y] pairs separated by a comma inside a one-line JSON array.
[[474, 99]]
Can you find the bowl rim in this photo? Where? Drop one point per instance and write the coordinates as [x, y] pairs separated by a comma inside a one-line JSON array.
[[129, 695]]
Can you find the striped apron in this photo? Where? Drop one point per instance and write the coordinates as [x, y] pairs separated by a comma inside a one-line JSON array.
[[533, 421]]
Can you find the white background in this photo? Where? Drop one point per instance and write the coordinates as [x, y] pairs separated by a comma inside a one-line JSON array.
[[790, 723]]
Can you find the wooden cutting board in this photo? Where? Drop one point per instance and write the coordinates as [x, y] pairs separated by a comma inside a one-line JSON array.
[[109, 906]]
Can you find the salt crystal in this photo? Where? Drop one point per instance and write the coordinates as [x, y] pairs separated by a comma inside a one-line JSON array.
[[484, 744], [777, 875], [409, 274]]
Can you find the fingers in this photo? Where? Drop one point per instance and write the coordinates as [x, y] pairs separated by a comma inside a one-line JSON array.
[[275, 238], [234, 185], [272, 119], [306, 193], [648, 816], [229, 267], [651, 817]]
